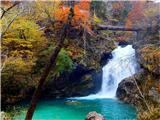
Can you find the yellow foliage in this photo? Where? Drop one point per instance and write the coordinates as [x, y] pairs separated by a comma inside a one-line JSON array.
[[153, 114], [23, 38], [96, 19], [17, 65], [151, 11]]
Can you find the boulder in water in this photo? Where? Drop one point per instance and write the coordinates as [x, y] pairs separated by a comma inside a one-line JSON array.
[[94, 116]]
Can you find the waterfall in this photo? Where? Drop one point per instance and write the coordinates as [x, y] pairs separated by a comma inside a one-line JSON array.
[[122, 65]]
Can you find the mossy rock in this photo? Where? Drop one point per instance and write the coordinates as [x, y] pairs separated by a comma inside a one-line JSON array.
[[87, 77], [149, 58]]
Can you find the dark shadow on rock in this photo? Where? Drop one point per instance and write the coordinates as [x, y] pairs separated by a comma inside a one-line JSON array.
[[105, 58]]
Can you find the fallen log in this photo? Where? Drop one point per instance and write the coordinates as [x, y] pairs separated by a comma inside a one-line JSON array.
[[116, 28]]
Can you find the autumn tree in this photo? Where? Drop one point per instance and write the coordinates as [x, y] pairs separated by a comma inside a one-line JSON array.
[[81, 15], [144, 15], [21, 40], [51, 64], [136, 15]]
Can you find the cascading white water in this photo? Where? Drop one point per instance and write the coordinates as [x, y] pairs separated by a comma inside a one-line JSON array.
[[122, 65]]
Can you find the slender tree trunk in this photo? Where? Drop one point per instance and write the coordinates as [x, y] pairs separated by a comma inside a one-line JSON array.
[[49, 66]]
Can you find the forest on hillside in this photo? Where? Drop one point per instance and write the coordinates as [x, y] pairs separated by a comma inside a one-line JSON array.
[[82, 59]]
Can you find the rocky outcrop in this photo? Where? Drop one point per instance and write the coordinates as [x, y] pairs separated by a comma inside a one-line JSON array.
[[149, 58], [105, 58], [94, 116], [80, 82], [93, 49], [89, 56], [145, 82], [127, 90]]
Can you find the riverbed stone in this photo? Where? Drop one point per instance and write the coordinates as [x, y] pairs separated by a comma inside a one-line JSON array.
[[94, 116]]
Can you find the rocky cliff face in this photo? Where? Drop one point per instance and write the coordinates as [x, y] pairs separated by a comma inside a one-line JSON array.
[[80, 82], [86, 78], [149, 58], [143, 84]]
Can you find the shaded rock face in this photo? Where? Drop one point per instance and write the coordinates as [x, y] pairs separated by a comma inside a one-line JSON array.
[[105, 58], [127, 90], [123, 43], [94, 116], [80, 82], [148, 84]]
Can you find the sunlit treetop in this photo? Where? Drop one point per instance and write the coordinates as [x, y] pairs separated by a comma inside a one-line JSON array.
[[81, 13]]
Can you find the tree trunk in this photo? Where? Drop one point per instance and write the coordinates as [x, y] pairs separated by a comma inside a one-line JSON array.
[[49, 66]]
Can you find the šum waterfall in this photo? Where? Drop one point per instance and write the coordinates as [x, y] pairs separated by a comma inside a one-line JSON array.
[[122, 65]]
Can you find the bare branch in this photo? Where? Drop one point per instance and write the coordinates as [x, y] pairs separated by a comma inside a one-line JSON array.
[[5, 11], [9, 25]]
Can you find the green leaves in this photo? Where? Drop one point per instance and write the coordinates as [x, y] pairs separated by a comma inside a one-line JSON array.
[[64, 63]]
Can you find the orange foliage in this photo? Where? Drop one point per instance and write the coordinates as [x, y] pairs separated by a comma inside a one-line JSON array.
[[118, 5], [6, 2], [81, 14], [136, 14]]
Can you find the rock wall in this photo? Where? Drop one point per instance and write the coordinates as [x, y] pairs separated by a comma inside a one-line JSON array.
[[86, 78], [80, 82]]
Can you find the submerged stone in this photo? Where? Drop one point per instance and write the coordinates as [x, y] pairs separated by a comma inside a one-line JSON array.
[[72, 102]]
